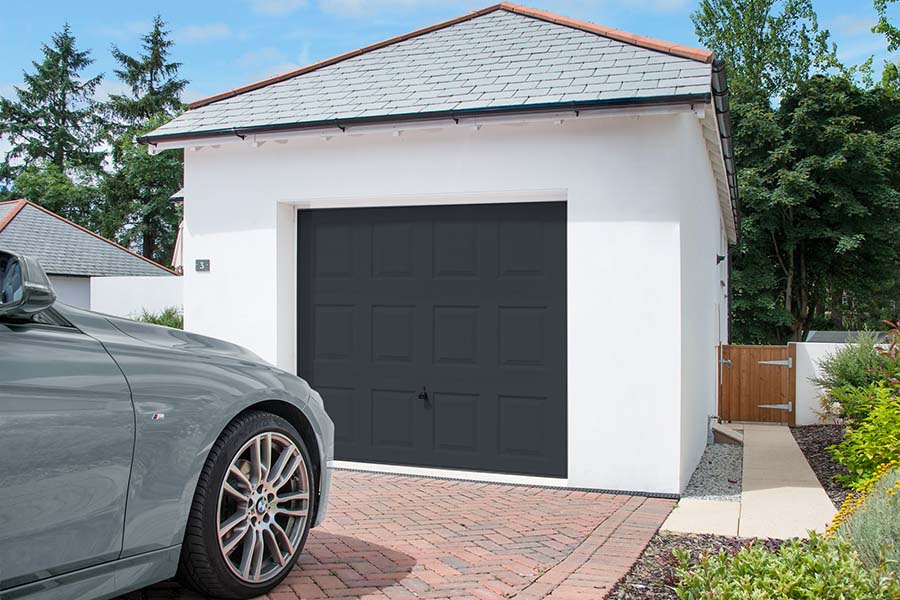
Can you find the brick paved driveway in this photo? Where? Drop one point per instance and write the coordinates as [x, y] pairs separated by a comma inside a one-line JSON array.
[[394, 537]]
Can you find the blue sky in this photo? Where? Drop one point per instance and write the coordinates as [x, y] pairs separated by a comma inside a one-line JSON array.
[[226, 43]]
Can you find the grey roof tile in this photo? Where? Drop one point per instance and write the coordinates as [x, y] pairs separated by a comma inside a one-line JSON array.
[[499, 58], [64, 249]]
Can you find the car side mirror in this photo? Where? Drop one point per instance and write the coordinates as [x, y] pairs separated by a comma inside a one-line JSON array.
[[25, 289]]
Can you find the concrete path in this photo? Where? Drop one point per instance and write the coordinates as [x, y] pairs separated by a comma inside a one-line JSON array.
[[781, 496]]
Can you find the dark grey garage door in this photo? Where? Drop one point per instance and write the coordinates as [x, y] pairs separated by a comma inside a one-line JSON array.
[[437, 335]]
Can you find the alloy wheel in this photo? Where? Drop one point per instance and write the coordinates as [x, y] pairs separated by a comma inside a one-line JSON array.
[[263, 506]]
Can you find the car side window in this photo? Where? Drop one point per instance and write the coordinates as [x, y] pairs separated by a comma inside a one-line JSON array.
[[10, 282]]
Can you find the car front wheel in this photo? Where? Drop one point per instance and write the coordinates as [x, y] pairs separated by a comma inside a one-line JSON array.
[[252, 509]]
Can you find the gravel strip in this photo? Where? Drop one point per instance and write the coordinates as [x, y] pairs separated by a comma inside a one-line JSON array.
[[718, 476], [813, 441]]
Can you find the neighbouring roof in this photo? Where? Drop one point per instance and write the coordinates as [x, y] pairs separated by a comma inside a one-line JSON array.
[[64, 248], [500, 58], [838, 337]]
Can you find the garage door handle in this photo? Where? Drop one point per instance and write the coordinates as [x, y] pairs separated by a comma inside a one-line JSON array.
[[424, 395]]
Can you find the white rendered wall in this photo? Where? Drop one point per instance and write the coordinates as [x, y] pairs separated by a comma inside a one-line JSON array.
[[807, 393], [703, 300], [130, 296], [74, 291], [627, 182]]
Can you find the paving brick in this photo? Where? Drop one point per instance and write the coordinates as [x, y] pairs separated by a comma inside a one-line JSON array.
[[406, 538]]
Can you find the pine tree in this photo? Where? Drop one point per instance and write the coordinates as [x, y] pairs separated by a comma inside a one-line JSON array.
[[155, 86], [136, 197], [54, 120]]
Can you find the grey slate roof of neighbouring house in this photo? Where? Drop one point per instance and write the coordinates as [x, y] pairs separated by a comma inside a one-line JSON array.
[[64, 248], [501, 58]]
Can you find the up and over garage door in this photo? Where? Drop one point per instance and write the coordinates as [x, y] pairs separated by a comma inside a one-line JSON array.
[[437, 334]]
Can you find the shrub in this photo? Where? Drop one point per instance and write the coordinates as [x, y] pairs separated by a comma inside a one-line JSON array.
[[168, 317], [858, 364], [852, 404], [856, 498], [872, 442], [870, 520], [819, 569]]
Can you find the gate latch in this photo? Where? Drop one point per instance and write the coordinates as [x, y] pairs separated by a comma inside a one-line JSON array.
[[787, 362]]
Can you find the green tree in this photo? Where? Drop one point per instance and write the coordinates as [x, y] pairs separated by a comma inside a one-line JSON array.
[[138, 194], [54, 118], [155, 86], [769, 45], [53, 189], [821, 206], [884, 26]]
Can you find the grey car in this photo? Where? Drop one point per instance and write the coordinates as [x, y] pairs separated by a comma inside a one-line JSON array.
[[130, 452]]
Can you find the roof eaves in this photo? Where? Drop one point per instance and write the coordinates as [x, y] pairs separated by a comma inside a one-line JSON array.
[[23, 203], [20, 204], [680, 50], [400, 119]]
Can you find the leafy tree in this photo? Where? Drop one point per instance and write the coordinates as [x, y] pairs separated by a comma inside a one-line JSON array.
[[769, 45], [884, 26], [139, 193], [53, 189], [821, 206], [54, 118], [155, 86]]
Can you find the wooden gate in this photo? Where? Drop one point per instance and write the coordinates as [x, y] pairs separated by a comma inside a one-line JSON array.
[[757, 383]]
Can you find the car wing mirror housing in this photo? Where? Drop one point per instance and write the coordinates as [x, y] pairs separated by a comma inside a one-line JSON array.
[[25, 289]]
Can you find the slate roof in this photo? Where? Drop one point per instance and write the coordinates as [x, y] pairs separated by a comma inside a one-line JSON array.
[[504, 57], [64, 248]]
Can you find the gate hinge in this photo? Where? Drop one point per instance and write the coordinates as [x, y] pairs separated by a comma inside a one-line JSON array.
[[788, 406], [787, 362]]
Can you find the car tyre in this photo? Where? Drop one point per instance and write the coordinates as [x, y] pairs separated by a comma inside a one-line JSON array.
[[251, 558]]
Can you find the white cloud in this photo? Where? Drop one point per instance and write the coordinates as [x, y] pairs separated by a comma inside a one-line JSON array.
[[359, 8], [852, 25], [276, 7], [202, 33], [658, 5], [127, 30], [109, 87], [269, 61], [363, 8]]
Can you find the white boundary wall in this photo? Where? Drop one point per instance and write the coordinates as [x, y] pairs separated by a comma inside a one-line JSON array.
[[807, 393], [129, 296]]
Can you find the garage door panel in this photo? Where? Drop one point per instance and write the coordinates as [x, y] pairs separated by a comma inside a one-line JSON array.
[[455, 335], [464, 304], [455, 422], [334, 331], [392, 250], [393, 333], [393, 418]]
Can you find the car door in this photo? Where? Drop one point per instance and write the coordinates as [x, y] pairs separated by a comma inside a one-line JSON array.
[[66, 443]]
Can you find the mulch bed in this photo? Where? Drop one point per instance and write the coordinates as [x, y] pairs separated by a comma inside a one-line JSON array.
[[653, 575], [813, 441]]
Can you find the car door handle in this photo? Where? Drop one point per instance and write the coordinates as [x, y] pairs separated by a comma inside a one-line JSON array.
[[424, 395]]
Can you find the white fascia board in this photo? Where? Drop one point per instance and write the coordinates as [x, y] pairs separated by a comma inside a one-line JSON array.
[[475, 121]]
